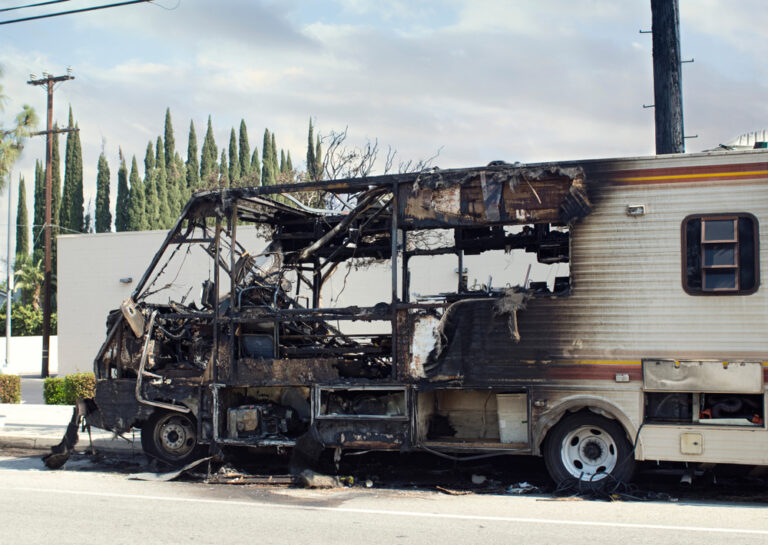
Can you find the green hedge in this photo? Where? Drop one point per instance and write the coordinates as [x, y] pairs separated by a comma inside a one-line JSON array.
[[53, 391], [79, 386], [67, 390], [10, 389]]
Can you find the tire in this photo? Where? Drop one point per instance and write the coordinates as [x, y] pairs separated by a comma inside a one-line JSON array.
[[584, 448], [171, 437]]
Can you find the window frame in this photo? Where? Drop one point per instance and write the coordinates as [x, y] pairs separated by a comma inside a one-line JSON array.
[[736, 244]]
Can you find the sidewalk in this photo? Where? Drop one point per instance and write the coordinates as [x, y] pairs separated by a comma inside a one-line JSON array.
[[33, 425]]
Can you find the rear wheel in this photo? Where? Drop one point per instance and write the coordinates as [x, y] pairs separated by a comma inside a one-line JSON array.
[[588, 448], [171, 437]]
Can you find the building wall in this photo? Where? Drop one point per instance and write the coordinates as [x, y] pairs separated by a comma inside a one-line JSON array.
[[88, 282], [25, 356]]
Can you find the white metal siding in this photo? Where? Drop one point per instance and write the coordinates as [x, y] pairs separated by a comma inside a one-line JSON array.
[[628, 301]]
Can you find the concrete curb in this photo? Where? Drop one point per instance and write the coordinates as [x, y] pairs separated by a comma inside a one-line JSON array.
[[40, 427], [45, 443]]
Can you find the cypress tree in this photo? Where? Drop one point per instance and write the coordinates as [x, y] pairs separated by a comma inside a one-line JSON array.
[[193, 177], [55, 185], [234, 162], [311, 163], [223, 170], [88, 219], [71, 209], [175, 177], [255, 167], [180, 187], [22, 227], [38, 214], [68, 191], [103, 214], [170, 142], [245, 151], [137, 218], [267, 173], [149, 158], [283, 164], [172, 187], [318, 161], [288, 162], [122, 207], [76, 210], [161, 183], [209, 155], [275, 164], [151, 204]]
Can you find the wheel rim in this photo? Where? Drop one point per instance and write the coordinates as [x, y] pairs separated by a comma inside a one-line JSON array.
[[175, 435], [589, 453]]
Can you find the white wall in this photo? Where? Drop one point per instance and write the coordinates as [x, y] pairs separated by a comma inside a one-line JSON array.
[[89, 271], [26, 356]]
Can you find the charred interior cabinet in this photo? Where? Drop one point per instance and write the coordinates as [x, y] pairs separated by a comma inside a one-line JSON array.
[[710, 393], [263, 415], [473, 418], [361, 416]]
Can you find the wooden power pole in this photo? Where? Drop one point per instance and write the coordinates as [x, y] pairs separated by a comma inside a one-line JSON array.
[[667, 86], [49, 81]]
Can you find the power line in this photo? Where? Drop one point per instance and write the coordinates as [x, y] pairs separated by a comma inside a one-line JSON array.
[[115, 5], [34, 5]]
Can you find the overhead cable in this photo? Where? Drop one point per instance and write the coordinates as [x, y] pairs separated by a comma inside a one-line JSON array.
[[117, 4], [34, 5]]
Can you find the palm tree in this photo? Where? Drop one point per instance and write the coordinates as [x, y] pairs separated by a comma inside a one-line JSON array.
[[29, 277]]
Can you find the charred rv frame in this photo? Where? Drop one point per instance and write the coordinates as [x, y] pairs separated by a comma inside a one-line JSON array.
[[261, 361]]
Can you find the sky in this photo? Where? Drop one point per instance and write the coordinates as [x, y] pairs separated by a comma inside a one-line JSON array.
[[476, 80]]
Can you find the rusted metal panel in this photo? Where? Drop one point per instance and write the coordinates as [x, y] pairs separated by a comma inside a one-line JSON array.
[[703, 376], [296, 372], [371, 434], [509, 197]]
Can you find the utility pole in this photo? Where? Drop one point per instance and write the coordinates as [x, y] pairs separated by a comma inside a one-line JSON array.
[[8, 285], [49, 81], [667, 86]]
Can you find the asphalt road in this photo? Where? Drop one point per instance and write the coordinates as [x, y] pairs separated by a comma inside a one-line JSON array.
[[82, 505]]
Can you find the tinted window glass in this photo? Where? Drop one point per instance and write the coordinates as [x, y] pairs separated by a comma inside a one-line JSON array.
[[719, 230], [719, 280], [719, 254]]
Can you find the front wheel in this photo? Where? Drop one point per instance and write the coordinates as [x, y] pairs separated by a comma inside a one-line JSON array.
[[171, 437], [588, 448]]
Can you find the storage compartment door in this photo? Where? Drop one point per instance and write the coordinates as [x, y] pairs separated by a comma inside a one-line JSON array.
[[513, 417]]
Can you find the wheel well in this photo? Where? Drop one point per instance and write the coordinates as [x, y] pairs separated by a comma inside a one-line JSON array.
[[140, 423], [602, 408]]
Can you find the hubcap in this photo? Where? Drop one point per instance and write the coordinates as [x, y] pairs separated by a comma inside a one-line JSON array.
[[175, 435], [589, 453]]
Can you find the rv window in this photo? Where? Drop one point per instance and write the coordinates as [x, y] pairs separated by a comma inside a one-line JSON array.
[[720, 254]]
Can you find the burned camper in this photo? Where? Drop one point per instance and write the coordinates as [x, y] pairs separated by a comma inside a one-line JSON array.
[[644, 340]]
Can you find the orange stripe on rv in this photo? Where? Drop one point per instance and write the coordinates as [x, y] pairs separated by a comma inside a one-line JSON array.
[[688, 174], [690, 177]]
